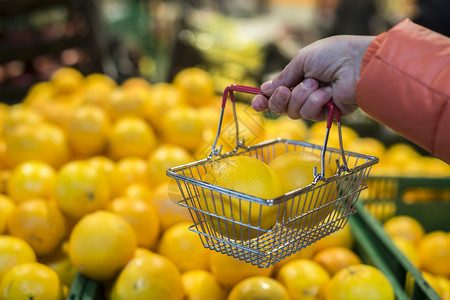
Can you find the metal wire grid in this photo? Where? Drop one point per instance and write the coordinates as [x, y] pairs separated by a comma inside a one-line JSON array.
[[299, 218]]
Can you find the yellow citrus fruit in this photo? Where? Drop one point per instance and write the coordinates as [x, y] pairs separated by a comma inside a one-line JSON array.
[[259, 287], [7, 205], [133, 83], [3, 161], [40, 223], [131, 136], [182, 126], [184, 248], [67, 79], [202, 285], [434, 167], [246, 175], [295, 170], [306, 253], [368, 146], [285, 128], [142, 216], [81, 189], [31, 179], [123, 102], [39, 94], [104, 164], [340, 238], [130, 170], [149, 277], [408, 248], [432, 281], [99, 78], [88, 130], [165, 198], [336, 258], [14, 251], [164, 97], [166, 156], [443, 284], [196, 84], [404, 226], [101, 244], [359, 282], [138, 190], [401, 155], [31, 281], [229, 270], [45, 142], [141, 252], [60, 262], [5, 174], [20, 114], [304, 279], [434, 253]]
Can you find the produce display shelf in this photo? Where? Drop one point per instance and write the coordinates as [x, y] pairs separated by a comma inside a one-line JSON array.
[[371, 244]]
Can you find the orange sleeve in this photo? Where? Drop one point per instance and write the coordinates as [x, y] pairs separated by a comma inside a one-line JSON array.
[[405, 85]]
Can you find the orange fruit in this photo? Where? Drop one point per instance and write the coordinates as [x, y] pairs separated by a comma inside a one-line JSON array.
[[285, 128], [166, 156], [408, 249], [165, 198], [149, 277], [81, 189], [141, 252], [182, 126], [434, 253], [304, 279], [306, 253], [142, 217], [88, 130], [229, 270], [404, 226], [131, 136], [31, 281], [60, 262], [31, 179], [340, 238], [247, 175], [259, 287], [202, 285], [123, 102], [101, 244], [18, 115], [7, 205], [40, 223], [14, 251], [138, 190], [359, 282], [184, 248], [336, 258], [128, 171], [67, 79], [45, 142], [133, 83], [295, 170], [196, 84], [164, 97]]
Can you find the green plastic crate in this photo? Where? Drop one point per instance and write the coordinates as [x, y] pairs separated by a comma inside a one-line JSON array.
[[376, 248], [389, 195]]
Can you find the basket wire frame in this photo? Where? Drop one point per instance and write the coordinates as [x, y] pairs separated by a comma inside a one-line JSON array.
[[235, 223]]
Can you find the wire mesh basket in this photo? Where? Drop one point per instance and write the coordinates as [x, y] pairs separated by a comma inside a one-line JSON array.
[[264, 231]]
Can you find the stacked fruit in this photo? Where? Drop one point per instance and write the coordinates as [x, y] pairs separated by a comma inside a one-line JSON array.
[[429, 252], [83, 164]]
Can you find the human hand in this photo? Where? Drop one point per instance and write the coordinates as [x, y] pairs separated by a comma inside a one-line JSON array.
[[324, 70]]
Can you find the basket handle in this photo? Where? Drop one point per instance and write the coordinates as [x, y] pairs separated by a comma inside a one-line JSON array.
[[335, 113], [229, 92]]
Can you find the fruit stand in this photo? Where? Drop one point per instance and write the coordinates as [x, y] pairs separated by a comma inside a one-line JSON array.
[[138, 179]]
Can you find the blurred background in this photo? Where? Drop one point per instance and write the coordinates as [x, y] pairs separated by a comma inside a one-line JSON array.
[[236, 41], [244, 42]]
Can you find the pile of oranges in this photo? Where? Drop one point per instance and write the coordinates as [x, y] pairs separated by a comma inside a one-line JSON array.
[[83, 189]]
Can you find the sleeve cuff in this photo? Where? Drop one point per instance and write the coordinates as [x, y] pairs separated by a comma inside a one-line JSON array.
[[370, 52]]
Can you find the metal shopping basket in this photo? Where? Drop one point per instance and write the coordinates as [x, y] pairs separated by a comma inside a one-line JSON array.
[[230, 222]]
